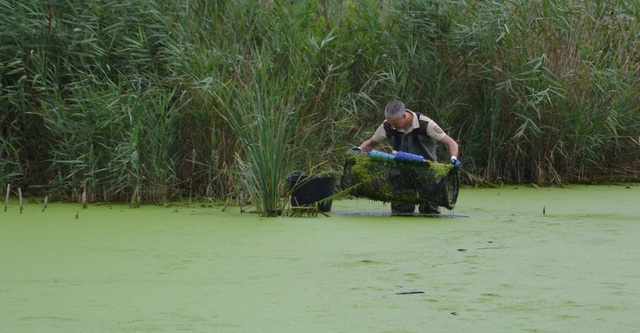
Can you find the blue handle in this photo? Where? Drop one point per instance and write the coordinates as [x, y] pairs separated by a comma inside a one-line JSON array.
[[382, 156], [409, 157]]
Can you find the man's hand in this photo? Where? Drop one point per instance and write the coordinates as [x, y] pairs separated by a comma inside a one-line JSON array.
[[355, 148], [456, 164]]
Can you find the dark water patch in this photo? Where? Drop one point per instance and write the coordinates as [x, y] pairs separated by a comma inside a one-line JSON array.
[[410, 292]]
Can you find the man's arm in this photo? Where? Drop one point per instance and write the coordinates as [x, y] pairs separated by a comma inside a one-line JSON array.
[[368, 145], [452, 144], [453, 151]]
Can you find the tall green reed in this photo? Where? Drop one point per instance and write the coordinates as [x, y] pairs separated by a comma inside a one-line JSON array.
[[558, 78], [261, 106], [89, 84], [125, 99]]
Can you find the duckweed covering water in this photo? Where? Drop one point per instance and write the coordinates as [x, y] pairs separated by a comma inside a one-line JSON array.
[[400, 181], [525, 259]]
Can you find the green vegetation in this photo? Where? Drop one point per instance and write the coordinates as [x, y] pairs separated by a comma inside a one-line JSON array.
[[156, 100], [369, 178]]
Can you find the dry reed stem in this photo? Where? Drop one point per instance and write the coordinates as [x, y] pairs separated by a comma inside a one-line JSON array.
[[6, 200], [20, 198]]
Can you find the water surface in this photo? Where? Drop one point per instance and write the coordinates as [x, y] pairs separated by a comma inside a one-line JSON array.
[[522, 260]]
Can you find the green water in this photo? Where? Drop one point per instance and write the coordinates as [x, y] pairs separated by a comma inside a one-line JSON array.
[[507, 267]]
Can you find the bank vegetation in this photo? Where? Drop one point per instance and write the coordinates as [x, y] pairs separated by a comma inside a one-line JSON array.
[[148, 101]]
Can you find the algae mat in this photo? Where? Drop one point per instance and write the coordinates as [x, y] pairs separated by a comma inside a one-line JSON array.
[[524, 260]]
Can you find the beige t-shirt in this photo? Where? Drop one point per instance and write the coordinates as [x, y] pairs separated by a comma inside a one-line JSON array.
[[432, 129]]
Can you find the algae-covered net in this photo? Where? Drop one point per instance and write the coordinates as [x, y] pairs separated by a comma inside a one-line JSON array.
[[407, 182]]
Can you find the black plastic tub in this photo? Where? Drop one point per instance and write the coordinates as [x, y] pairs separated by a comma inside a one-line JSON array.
[[307, 191]]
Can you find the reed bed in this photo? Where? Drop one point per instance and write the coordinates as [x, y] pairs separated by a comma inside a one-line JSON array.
[[152, 101]]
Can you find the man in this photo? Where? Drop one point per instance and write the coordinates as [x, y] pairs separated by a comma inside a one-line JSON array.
[[413, 133]]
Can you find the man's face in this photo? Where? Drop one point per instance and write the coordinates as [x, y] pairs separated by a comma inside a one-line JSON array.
[[398, 122]]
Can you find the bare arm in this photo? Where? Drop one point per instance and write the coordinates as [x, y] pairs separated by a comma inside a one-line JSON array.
[[368, 145], [452, 144]]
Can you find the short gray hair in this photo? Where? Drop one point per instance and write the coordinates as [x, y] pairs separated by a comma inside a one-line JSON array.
[[394, 108]]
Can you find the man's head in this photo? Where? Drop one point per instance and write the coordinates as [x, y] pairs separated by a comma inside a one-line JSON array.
[[395, 114], [394, 109]]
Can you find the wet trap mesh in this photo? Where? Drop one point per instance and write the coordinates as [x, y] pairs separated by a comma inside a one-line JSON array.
[[406, 182]]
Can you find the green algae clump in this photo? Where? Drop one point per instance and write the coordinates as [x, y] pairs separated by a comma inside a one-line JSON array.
[[407, 182]]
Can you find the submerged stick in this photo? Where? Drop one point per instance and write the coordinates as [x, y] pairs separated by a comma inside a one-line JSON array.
[[46, 200], [6, 200], [20, 197]]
